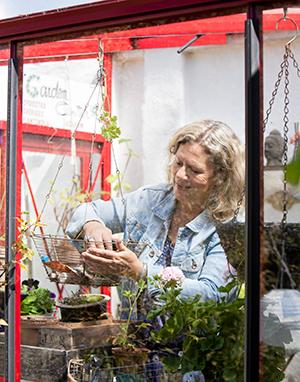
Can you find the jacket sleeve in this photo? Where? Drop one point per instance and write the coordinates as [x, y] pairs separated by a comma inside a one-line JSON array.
[[111, 213], [216, 272]]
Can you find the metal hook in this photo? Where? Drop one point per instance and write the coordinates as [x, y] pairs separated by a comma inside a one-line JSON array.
[[287, 18], [195, 38], [52, 136]]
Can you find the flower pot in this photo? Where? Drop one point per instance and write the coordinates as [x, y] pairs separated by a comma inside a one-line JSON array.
[[89, 311]]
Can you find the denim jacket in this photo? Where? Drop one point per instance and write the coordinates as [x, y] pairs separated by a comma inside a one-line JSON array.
[[144, 217]]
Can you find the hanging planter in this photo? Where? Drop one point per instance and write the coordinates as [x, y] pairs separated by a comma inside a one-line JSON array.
[[83, 307]]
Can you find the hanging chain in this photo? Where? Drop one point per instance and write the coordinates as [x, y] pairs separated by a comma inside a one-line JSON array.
[[101, 83], [295, 63], [238, 206], [283, 73], [285, 135], [284, 162], [73, 134], [274, 93]]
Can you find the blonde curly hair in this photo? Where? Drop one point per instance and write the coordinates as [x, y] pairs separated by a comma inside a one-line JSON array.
[[226, 155]]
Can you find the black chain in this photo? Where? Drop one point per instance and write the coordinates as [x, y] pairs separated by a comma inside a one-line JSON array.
[[238, 206], [295, 63], [283, 73], [285, 135], [274, 93]]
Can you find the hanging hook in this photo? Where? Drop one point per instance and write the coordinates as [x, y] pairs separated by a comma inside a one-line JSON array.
[[52, 136], [195, 38], [285, 17]]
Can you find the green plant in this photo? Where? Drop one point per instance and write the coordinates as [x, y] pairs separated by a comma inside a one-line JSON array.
[[110, 129], [37, 301], [127, 337], [206, 335]]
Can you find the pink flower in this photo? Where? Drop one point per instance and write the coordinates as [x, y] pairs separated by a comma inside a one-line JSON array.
[[172, 275]]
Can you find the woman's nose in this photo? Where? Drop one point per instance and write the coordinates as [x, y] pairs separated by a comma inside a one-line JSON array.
[[181, 173]]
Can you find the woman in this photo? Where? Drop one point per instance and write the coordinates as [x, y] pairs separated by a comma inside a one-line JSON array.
[[174, 223]]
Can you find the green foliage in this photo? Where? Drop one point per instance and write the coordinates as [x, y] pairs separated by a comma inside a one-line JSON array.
[[127, 337], [274, 363], [78, 298], [210, 335], [293, 170], [116, 180], [37, 301], [25, 228], [110, 129]]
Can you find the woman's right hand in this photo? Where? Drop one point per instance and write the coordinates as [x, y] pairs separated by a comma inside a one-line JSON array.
[[97, 234]]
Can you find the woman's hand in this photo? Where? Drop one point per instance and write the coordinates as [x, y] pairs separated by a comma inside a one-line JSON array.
[[97, 234], [107, 262]]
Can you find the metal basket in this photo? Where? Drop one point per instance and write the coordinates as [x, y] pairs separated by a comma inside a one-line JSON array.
[[79, 371], [63, 263]]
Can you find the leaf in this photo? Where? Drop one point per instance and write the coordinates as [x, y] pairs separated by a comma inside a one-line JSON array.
[[23, 266], [229, 375], [112, 178]]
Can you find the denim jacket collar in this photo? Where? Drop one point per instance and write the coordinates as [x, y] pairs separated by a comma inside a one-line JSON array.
[[164, 209]]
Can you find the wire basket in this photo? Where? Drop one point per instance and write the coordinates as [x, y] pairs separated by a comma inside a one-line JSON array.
[[63, 262], [79, 371]]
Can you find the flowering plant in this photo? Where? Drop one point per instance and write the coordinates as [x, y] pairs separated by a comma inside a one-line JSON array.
[[206, 335], [171, 277]]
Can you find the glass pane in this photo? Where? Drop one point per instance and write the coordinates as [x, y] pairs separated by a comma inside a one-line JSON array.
[[77, 92], [281, 299]]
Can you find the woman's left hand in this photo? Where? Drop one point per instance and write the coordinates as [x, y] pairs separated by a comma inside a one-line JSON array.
[[120, 262]]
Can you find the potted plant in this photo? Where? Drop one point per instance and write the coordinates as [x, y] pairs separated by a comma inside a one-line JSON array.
[[36, 301], [205, 336], [83, 307], [128, 350]]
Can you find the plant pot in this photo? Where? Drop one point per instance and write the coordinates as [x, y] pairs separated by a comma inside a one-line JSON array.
[[130, 363], [89, 311]]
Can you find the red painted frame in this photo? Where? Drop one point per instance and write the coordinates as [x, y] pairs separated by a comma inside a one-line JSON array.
[[109, 14]]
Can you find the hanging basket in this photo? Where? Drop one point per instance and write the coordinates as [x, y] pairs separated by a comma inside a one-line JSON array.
[[63, 262]]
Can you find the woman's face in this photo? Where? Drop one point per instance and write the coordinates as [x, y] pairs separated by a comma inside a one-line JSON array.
[[191, 174]]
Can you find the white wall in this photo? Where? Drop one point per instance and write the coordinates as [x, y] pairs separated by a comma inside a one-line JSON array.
[[156, 91]]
